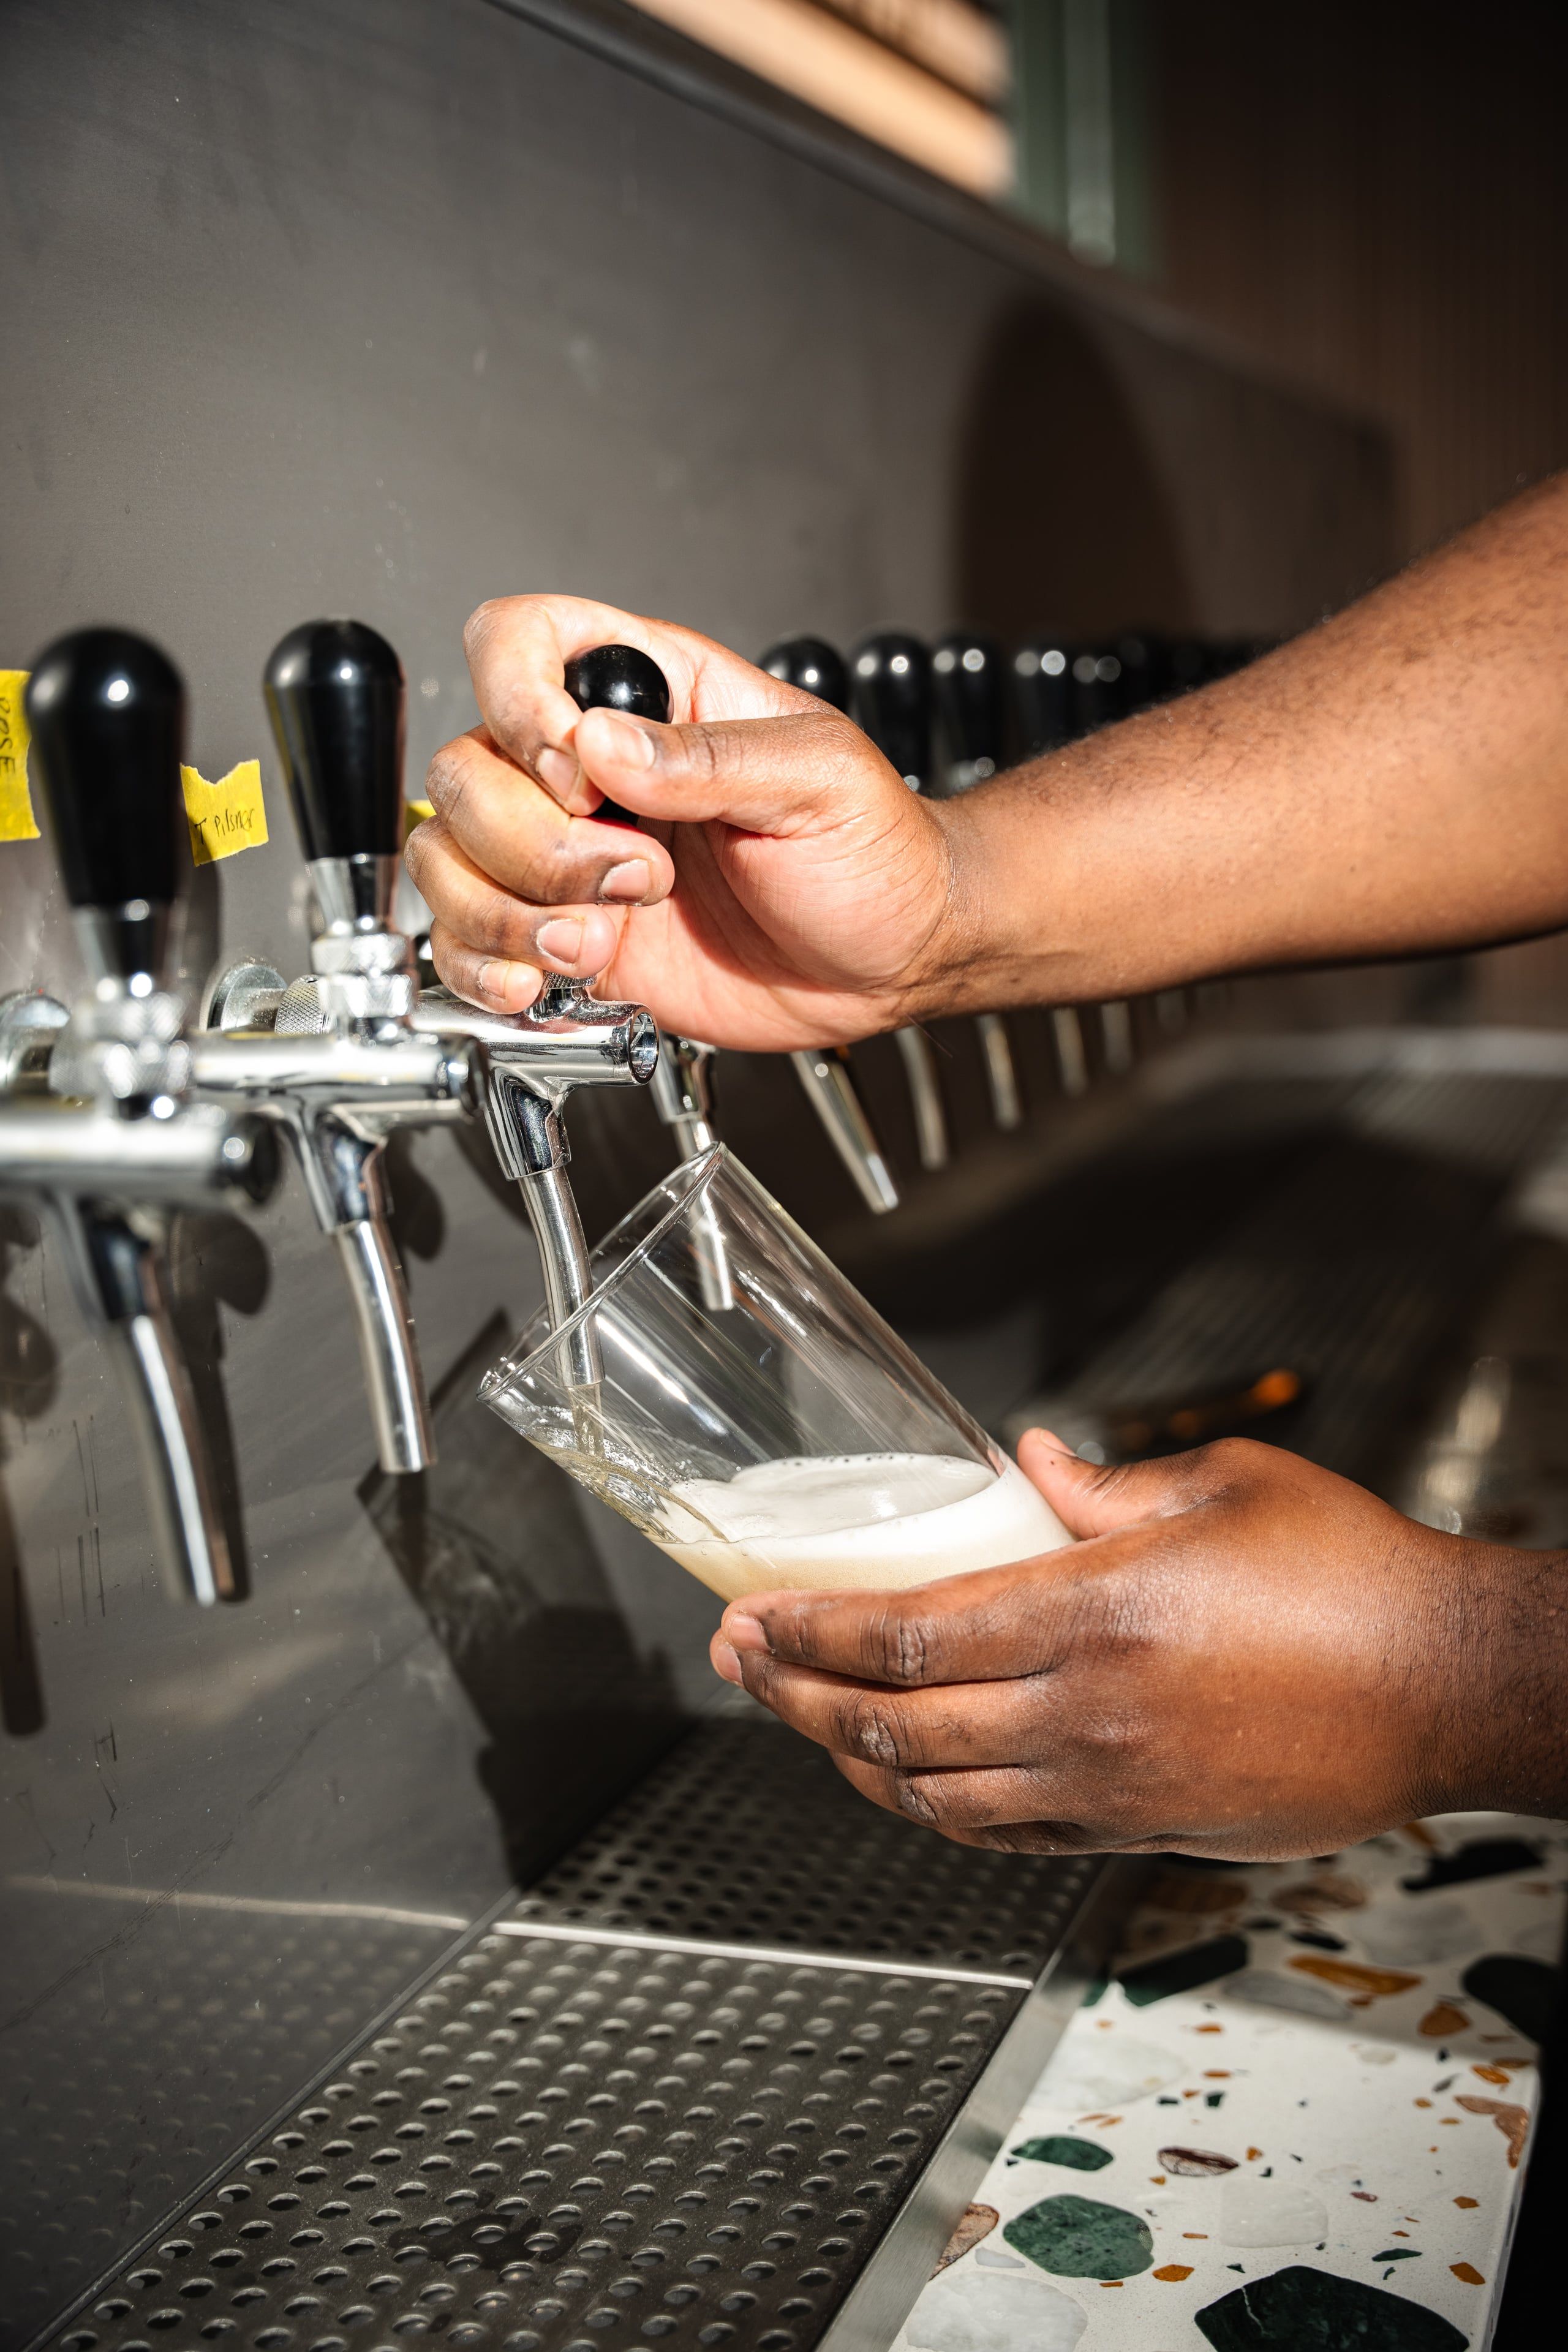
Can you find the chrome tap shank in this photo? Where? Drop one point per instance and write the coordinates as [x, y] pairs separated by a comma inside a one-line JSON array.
[[117, 1147]]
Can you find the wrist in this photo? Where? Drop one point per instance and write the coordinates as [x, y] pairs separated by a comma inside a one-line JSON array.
[[1499, 1681], [985, 951]]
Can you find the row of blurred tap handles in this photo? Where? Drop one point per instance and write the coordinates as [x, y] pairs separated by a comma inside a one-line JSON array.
[[124, 1108]]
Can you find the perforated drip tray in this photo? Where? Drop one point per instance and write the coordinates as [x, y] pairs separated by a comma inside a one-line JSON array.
[[727, 2076], [749, 1836]]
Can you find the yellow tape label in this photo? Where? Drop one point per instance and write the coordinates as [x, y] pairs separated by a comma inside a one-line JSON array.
[[227, 816], [414, 812], [17, 822]]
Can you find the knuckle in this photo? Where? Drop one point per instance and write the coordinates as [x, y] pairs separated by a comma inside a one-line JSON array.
[[901, 1648], [450, 778], [874, 1731], [919, 1797]]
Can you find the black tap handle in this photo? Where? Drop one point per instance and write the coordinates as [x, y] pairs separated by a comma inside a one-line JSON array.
[[1046, 694], [336, 698], [107, 714], [970, 679], [813, 665], [618, 678], [890, 675]]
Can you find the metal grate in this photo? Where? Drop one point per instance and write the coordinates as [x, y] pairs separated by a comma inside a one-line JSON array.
[[1349, 1272], [748, 1835], [576, 2146], [568, 2141]]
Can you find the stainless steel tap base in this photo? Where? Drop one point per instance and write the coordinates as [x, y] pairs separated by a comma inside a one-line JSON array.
[[399, 1408], [925, 1097], [193, 1159], [565, 1039], [338, 1091], [830, 1090], [1001, 1072]]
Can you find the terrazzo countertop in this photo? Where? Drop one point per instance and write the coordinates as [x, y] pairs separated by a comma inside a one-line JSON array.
[[1298, 2115]]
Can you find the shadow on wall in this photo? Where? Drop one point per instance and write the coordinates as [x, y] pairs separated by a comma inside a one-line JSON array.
[[1061, 518], [491, 1546]]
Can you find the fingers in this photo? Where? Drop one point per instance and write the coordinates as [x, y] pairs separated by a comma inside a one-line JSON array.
[[518, 648], [780, 775], [1012, 1811], [987, 1626], [955, 1723], [517, 834], [478, 926]]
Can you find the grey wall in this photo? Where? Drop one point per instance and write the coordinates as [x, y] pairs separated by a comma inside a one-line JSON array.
[[384, 306]]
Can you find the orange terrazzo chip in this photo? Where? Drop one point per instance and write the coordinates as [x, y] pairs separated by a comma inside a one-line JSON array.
[[1173, 2271], [1442, 2021], [1372, 1984], [1468, 2273]]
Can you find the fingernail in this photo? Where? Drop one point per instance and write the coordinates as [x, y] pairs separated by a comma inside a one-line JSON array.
[[629, 743], [725, 1662], [511, 984], [562, 938], [630, 880], [559, 771], [743, 1632]]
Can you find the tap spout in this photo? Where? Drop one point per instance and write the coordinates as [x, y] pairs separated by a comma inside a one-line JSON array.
[[566, 1039], [109, 1186]]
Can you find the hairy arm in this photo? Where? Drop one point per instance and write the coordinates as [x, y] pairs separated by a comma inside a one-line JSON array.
[[1392, 781]]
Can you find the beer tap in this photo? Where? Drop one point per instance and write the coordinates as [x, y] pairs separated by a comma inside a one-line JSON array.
[[1048, 714], [891, 699], [567, 1039], [335, 1059], [825, 1071], [971, 704], [619, 677], [97, 1124]]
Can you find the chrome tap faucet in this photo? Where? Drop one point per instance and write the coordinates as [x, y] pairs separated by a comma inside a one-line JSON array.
[[891, 699], [621, 677], [825, 1071], [566, 1039], [97, 1124], [334, 1059]]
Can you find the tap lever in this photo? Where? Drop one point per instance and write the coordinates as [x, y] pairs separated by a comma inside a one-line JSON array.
[[972, 708], [335, 694], [816, 667], [971, 705], [107, 711], [811, 665], [891, 699], [618, 678]]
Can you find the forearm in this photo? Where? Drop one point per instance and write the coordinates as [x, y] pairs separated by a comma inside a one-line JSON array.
[[1393, 781], [1500, 1730]]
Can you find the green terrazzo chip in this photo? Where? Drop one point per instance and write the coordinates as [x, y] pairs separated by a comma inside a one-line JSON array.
[[1074, 2237], [1303, 2310], [1057, 2148]]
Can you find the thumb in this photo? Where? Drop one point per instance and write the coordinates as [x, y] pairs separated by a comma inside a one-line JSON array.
[[776, 775], [1092, 1498]]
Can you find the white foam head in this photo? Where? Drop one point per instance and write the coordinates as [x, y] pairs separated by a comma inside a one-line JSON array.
[[878, 1521]]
